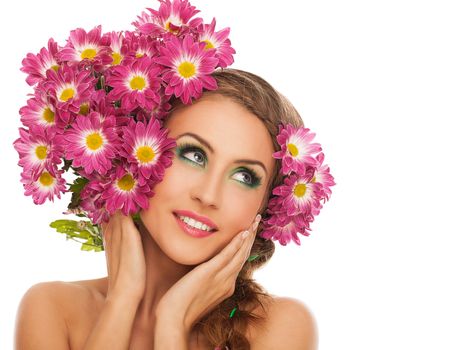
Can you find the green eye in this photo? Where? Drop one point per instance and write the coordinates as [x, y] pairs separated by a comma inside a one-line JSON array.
[[184, 149], [252, 180], [196, 156]]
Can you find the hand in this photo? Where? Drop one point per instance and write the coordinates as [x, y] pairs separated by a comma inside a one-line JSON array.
[[125, 258], [208, 284]]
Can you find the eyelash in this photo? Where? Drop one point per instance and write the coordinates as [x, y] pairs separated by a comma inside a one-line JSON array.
[[188, 147]]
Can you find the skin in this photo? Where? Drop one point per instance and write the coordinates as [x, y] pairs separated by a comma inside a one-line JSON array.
[[179, 278], [160, 280]]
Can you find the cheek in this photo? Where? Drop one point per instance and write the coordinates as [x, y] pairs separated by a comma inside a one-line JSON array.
[[240, 209], [162, 202], [173, 185]]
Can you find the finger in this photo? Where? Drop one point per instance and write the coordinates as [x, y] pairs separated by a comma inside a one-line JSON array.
[[131, 238], [230, 250], [239, 259], [107, 242], [249, 239], [222, 258], [104, 232], [117, 239], [113, 245]]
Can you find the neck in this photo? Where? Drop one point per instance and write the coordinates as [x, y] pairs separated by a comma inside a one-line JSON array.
[[161, 274]]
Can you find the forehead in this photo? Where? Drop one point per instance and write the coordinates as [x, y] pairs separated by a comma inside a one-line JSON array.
[[231, 129]]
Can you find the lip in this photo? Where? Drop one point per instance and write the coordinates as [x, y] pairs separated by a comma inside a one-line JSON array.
[[192, 231], [202, 219]]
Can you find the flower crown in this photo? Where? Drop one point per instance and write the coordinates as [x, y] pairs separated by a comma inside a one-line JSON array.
[[98, 108]]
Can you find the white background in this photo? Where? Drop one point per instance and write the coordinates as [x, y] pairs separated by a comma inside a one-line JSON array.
[[383, 84]]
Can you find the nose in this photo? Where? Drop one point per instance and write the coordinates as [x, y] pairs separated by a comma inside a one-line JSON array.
[[207, 188]]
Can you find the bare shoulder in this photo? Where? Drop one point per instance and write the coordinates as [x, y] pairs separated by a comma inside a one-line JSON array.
[[60, 297], [40, 319], [50, 313], [289, 324], [80, 298]]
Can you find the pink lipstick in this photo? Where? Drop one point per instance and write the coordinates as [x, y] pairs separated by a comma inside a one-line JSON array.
[[190, 230]]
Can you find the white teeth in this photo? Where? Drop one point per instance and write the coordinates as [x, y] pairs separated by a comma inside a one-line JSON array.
[[195, 223]]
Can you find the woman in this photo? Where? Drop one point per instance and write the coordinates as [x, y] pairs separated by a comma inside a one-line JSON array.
[[170, 286]]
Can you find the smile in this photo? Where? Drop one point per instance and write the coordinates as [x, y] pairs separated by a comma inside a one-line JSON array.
[[192, 227]]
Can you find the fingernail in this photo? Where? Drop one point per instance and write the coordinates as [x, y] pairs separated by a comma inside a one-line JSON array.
[[258, 217], [245, 234]]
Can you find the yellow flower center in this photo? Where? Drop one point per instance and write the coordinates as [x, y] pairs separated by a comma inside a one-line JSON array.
[[84, 109], [89, 54], [67, 94], [139, 54], [137, 83], [41, 152], [145, 154], [314, 179], [48, 115], [209, 44], [55, 67], [169, 29], [94, 141], [293, 149], [186, 69], [300, 190], [46, 179], [116, 58], [126, 182]]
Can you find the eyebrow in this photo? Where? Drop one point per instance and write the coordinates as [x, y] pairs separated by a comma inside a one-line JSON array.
[[207, 145]]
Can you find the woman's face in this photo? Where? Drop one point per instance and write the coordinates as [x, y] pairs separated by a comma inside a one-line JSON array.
[[211, 175]]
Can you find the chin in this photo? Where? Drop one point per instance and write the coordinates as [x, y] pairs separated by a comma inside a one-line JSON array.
[[186, 256]]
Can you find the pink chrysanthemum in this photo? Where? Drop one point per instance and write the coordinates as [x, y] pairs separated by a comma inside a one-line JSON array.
[[218, 41], [69, 87], [189, 68], [137, 46], [136, 85], [90, 143], [323, 176], [46, 186], [172, 17], [147, 149], [296, 149], [38, 112], [36, 66], [162, 110], [125, 193], [91, 200], [115, 41], [83, 46], [37, 150], [104, 108], [285, 233], [298, 194]]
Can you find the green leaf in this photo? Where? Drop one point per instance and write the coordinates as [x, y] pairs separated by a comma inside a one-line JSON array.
[[89, 245], [78, 184], [100, 82], [76, 188], [80, 230]]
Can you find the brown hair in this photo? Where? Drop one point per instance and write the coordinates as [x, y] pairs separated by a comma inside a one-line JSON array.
[[272, 108]]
